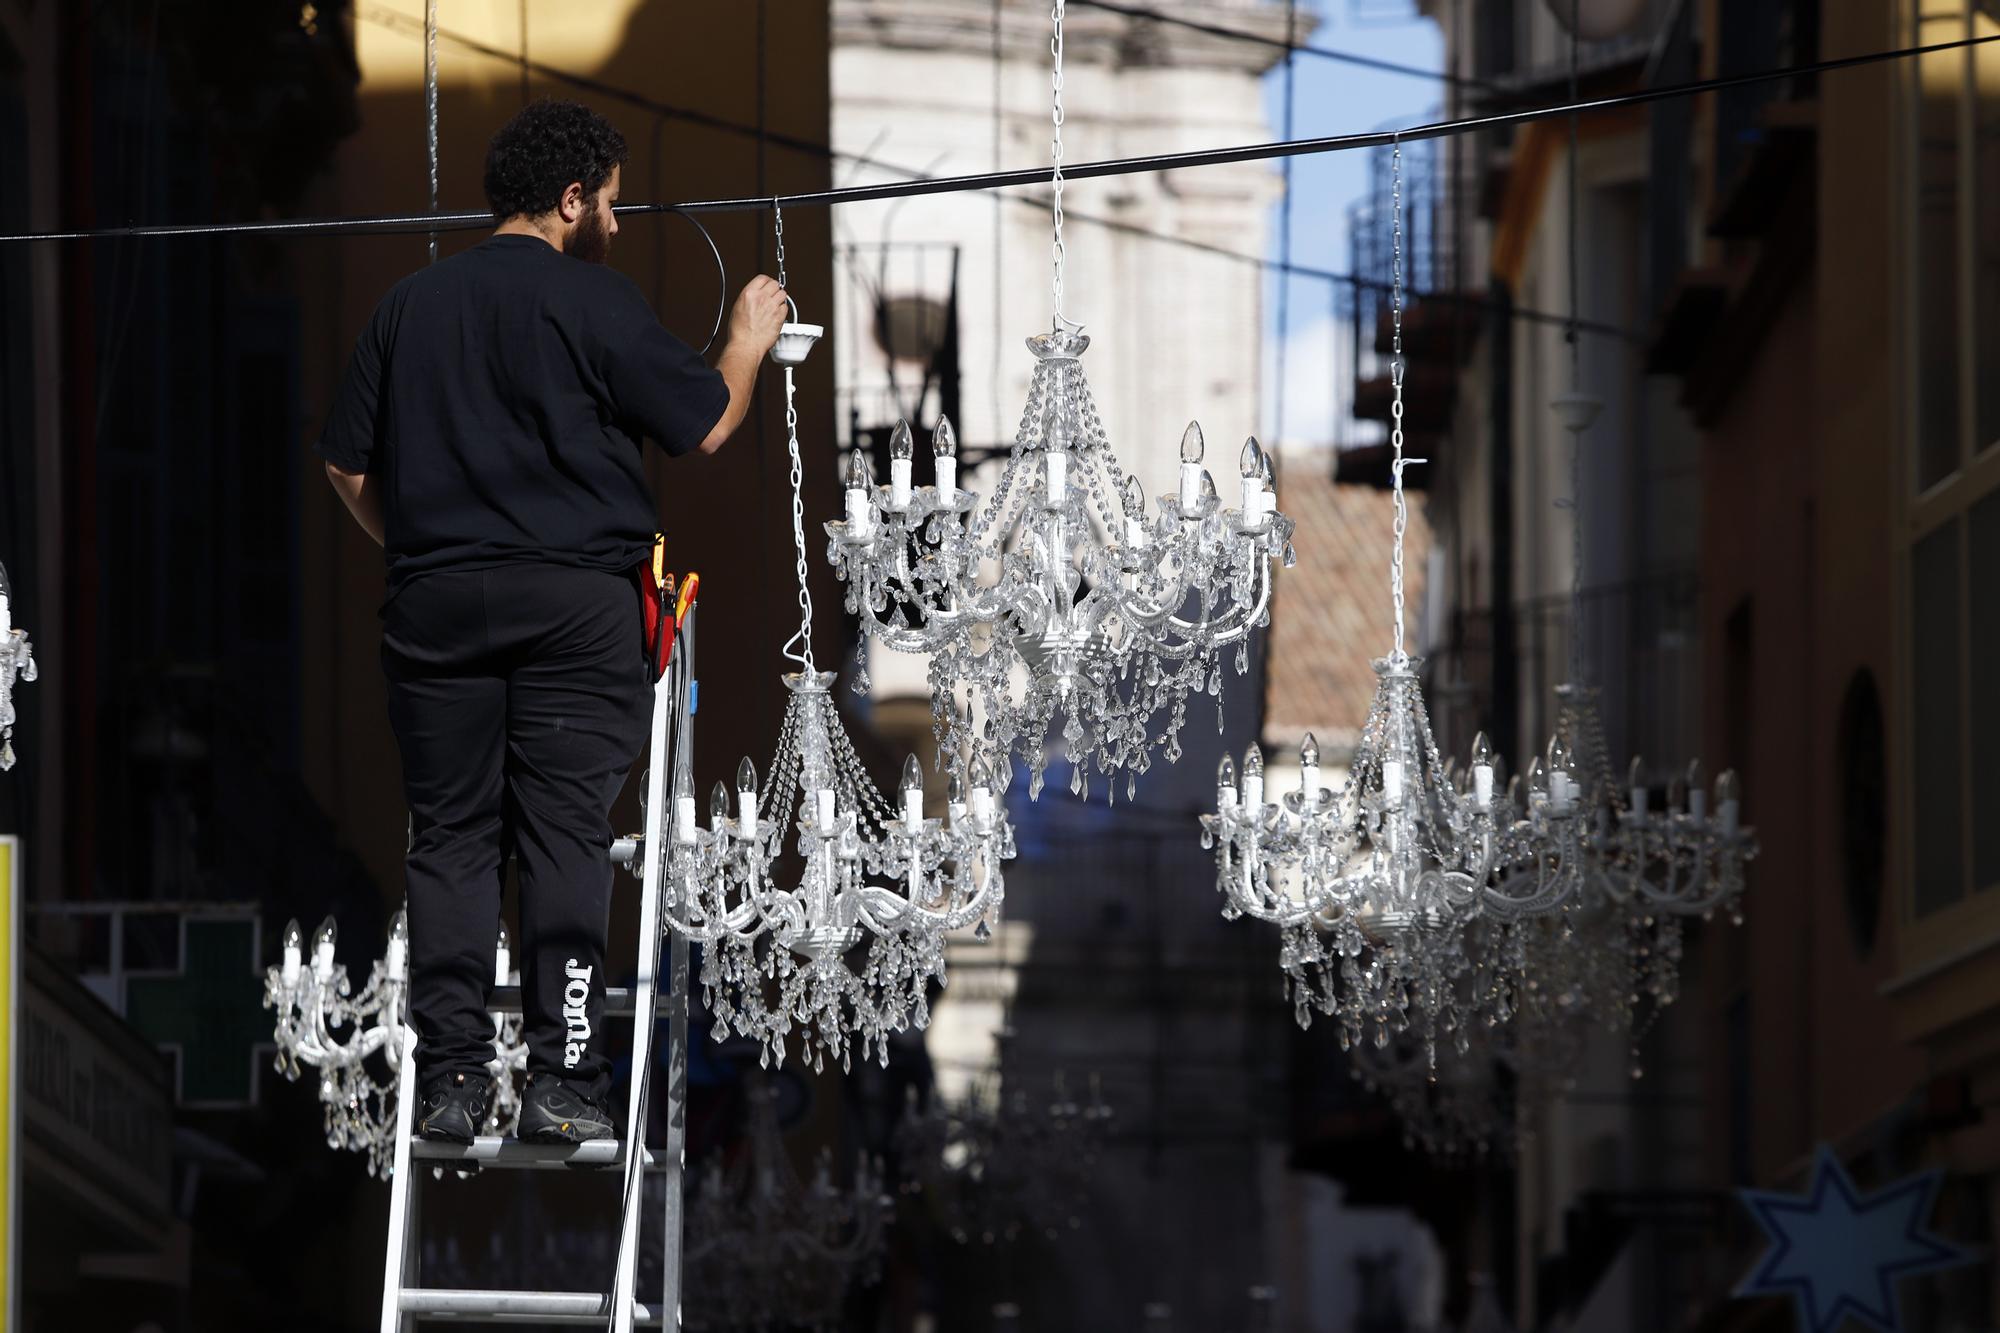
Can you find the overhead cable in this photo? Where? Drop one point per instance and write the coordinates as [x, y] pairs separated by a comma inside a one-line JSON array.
[[1206, 157]]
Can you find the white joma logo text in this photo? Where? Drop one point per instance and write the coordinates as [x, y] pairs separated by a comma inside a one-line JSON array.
[[576, 995]]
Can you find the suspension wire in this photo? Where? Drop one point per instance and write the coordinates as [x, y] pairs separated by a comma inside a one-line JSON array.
[[1575, 383], [461, 221], [1058, 254], [1285, 225], [1574, 120], [664, 110], [994, 376], [1290, 45], [431, 109]]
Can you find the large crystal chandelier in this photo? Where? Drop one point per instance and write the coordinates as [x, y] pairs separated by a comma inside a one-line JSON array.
[[17, 662], [765, 1250], [777, 945], [350, 1037], [1061, 604], [1371, 884]]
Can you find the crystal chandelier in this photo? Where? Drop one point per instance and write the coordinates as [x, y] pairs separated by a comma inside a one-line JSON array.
[[1634, 874], [17, 662], [775, 958], [350, 1038], [1370, 885], [997, 1163], [767, 1251], [1060, 604]]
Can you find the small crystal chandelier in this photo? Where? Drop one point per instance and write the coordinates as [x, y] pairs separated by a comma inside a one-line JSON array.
[[17, 662], [1110, 615], [765, 1250], [776, 957], [1370, 885], [351, 1038], [1596, 849], [997, 1163]]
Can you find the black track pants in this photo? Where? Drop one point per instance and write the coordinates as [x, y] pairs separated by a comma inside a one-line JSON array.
[[519, 700]]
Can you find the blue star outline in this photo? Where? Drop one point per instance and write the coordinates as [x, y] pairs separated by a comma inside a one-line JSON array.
[[1840, 1255]]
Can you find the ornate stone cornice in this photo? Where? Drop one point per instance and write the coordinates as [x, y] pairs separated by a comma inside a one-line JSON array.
[[965, 27]]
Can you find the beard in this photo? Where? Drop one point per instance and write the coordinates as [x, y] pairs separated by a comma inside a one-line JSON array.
[[591, 239]]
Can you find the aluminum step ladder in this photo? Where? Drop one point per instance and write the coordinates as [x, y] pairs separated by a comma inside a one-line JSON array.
[[405, 1301]]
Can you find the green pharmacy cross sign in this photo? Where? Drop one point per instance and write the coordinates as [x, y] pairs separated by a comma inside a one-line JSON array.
[[207, 1013]]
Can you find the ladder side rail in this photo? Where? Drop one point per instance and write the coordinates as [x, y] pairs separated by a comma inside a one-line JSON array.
[[673, 1154], [396, 1263], [667, 693]]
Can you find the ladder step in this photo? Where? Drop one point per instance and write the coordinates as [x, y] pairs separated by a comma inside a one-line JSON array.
[[619, 1001], [492, 1150], [541, 1307]]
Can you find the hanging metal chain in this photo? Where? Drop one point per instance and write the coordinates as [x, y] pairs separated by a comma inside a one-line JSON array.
[[799, 647], [778, 222], [1057, 254], [431, 107], [1396, 383]]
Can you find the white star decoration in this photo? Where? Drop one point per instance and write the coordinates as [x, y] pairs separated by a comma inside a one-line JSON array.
[[1839, 1255]]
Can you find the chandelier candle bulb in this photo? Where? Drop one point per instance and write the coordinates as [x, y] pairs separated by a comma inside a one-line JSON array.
[[1392, 781], [746, 795], [1253, 780], [1697, 795], [944, 457], [1225, 784], [982, 793], [503, 958], [718, 810], [901, 451], [860, 523], [1639, 787], [1728, 801], [1482, 771], [1135, 514], [1267, 495], [1191, 471], [323, 949], [913, 795], [294, 955], [1309, 768], [1253, 480], [954, 798], [396, 958], [823, 809]]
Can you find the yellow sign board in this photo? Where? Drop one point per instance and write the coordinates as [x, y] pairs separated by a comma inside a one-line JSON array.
[[10, 1109]]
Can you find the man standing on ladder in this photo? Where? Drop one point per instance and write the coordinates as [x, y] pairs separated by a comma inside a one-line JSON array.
[[488, 436]]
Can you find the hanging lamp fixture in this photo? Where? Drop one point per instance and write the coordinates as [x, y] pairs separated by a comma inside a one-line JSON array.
[[17, 664], [776, 950], [1061, 612], [1370, 885]]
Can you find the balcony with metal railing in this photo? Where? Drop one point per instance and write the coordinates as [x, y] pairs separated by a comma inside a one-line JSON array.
[[1641, 649]]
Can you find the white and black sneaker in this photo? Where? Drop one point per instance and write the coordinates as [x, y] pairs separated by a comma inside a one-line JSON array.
[[554, 1110], [454, 1107]]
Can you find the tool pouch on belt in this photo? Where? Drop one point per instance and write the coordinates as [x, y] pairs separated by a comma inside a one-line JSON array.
[[656, 598]]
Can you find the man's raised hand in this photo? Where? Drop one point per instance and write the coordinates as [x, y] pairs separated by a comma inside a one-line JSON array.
[[760, 311]]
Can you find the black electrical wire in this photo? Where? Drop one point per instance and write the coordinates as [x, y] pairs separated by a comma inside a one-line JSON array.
[[721, 279], [389, 224], [1288, 44]]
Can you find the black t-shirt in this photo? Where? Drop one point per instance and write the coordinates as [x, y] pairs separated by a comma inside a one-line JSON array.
[[499, 398]]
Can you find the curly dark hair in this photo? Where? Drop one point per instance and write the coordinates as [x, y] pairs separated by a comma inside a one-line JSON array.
[[534, 157]]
